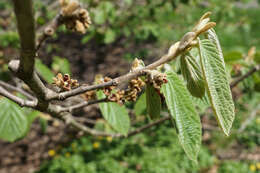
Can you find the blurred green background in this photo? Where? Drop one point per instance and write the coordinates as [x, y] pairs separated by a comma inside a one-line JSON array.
[[146, 28]]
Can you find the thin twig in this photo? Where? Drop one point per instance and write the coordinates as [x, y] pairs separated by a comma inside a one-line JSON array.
[[119, 80], [18, 100], [82, 104], [71, 121], [49, 30], [10, 87], [249, 73], [249, 119]]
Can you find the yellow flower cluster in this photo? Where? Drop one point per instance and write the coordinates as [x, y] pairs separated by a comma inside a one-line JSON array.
[[254, 167], [96, 145]]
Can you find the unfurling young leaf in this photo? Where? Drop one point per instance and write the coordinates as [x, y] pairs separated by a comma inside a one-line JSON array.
[[180, 105], [216, 81], [192, 74], [115, 115], [153, 102]]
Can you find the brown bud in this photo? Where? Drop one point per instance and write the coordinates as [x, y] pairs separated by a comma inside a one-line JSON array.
[[70, 8], [80, 27]]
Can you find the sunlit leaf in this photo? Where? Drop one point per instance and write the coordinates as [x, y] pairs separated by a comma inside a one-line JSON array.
[[13, 123], [217, 83], [115, 115], [180, 105]]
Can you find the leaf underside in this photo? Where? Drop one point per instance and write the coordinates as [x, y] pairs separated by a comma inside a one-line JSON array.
[[181, 108], [216, 81]]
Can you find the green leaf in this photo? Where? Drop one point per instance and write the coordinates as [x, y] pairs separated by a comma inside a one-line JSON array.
[[31, 116], [180, 105], [61, 65], [153, 102], [109, 36], [13, 123], [115, 115], [217, 84], [191, 72], [232, 56], [44, 71], [43, 124], [140, 105]]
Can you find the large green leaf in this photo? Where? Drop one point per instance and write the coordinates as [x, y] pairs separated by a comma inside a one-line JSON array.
[[115, 115], [44, 71], [217, 84], [13, 123], [153, 102], [140, 105], [180, 105]]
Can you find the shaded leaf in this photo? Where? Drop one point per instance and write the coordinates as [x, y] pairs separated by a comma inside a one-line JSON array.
[[217, 85], [61, 65], [115, 115], [13, 123], [153, 102], [44, 71], [180, 105], [140, 105]]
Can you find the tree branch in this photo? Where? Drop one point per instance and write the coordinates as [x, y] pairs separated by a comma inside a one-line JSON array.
[[241, 78], [18, 100], [82, 104], [49, 30], [25, 23], [81, 127], [122, 79]]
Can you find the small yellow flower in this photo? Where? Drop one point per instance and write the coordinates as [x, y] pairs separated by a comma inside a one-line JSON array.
[[51, 153], [109, 139], [258, 165], [96, 145], [67, 154], [73, 145], [257, 121], [252, 168]]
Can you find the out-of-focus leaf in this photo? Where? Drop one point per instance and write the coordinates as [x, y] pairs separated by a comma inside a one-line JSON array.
[[110, 36], [153, 102], [44, 71], [61, 65], [257, 57], [43, 124], [191, 72], [232, 56], [140, 105], [13, 123], [31, 116], [115, 115], [181, 107], [217, 83]]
